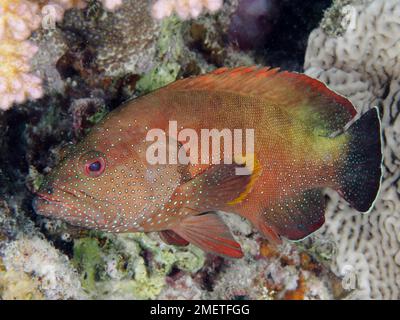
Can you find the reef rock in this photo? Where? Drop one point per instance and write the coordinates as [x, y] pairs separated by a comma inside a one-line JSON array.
[[123, 41]]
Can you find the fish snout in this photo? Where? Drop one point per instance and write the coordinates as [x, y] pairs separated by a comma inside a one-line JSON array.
[[40, 206], [37, 204], [47, 201]]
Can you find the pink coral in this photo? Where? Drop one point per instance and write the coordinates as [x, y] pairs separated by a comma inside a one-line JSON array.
[[16, 83], [54, 9], [185, 9], [18, 19], [111, 5]]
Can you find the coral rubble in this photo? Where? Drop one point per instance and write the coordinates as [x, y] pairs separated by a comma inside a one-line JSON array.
[[49, 271]]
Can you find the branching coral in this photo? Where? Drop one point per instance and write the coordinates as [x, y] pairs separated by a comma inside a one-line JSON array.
[[185, 9], [16, 83], [111, 4], [18, 19], [362, 63]]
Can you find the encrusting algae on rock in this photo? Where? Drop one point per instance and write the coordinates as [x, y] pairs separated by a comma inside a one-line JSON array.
[[130, 266]]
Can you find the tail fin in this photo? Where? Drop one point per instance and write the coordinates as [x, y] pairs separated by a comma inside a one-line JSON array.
[[360, 176]]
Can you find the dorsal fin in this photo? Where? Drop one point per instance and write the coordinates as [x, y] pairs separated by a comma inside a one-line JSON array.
[[285, 89]]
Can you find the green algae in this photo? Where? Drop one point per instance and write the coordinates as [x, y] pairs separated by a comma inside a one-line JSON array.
[[87, 257], [98, 116], [132, 265], [35, 178], [169, 50]]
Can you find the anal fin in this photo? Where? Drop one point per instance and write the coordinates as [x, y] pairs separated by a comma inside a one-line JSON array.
[[298, 216], [209, 232]]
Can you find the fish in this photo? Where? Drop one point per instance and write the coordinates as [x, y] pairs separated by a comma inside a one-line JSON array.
[[307, 139]]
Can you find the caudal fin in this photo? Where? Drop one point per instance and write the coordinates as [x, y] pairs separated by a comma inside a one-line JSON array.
[[361, 173]]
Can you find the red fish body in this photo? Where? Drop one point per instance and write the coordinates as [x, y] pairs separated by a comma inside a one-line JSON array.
[[106, 181]]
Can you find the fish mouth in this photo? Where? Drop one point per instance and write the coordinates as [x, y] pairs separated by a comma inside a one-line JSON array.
[[61, 204]]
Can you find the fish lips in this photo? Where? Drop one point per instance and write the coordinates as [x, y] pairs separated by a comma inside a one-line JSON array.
[[51, 206], [45, 206]]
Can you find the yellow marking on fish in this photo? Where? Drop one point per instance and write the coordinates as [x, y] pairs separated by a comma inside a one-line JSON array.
[[253, 165]]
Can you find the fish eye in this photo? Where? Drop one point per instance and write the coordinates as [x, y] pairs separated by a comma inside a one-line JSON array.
[[94, 163], [95, 166]]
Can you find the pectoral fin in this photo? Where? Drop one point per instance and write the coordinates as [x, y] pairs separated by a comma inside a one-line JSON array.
[[209, 232], [218, 188]]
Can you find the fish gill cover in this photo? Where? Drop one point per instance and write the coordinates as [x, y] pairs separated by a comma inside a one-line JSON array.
[[66, 64]]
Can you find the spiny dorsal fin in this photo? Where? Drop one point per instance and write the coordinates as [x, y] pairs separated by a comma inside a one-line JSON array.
[[289, 90]]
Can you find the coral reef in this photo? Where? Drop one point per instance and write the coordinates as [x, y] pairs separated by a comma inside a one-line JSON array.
[[92, 55], [185, 9], [18, 18], [51, 46], [169, 49], [361, 62], [268, 272], [19, 286], [269, 279]]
